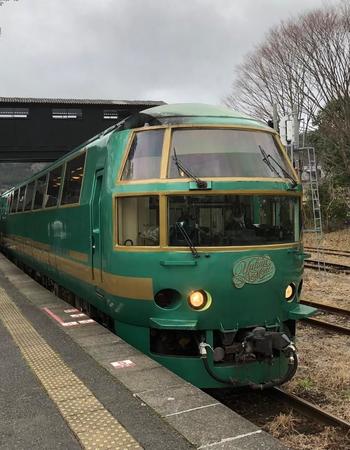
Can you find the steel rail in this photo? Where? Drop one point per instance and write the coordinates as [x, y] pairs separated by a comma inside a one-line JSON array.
[[331, 267], [304, 407], [327, 325], [309, 409], [328, 251], [328, 308]]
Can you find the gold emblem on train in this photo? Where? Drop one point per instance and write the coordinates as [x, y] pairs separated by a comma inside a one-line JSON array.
[[253, 270]]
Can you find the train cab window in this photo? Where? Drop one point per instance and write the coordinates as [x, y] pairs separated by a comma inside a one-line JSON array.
[[40, 192], [22, 192], [232, 220], [138, 221], [144, 156], [73, 180], [225, 153], [14, 201], [53, 187], [29, 196]]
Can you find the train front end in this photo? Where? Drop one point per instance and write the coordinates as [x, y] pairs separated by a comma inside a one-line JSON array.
[[208, 223]]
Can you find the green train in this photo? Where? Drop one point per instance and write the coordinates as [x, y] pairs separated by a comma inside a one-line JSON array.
[[180, 227]]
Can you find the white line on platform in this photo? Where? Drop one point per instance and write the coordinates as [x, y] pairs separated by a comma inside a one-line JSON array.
[[172, 386], [192, 409], [240, 436], [86, 321]]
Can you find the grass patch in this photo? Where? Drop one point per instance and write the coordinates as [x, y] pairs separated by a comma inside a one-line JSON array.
[[305, 384], [283, 424]]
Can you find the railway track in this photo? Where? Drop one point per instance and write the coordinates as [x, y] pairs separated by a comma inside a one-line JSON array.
[[329, 251], [327, 308], [330, 267], [310, 410], [327, 325], [263, 407]]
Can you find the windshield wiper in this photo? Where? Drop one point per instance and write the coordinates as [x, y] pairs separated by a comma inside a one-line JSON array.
[[201, 184], [188, 240], [267, 157]]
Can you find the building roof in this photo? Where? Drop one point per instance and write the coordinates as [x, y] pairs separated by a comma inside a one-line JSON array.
[[81, 101]]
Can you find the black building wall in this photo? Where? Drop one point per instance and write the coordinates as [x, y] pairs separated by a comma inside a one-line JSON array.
[[41, 138]]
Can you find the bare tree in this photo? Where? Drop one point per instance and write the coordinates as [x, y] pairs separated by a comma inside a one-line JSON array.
[[320, 42], [271, 75], [303, 62]]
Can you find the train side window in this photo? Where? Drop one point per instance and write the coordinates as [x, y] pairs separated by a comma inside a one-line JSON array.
[[29, 196], [138, 220], [22, 192], [14, 202], [53, 187], [144, 156], [9, 202], [40, 192], [73, 180]]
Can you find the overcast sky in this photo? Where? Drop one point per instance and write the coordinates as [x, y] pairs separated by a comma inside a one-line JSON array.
[[171, 50]]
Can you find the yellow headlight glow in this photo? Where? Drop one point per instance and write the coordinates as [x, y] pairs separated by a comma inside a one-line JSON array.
[[199, 299], [289, 292]]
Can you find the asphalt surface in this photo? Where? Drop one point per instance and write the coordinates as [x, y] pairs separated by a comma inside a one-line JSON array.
[[30, 420]]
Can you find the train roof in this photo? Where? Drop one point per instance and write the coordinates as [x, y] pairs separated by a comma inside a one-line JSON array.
[[192, 109], [187, 113], [167, 114], [199, 113]]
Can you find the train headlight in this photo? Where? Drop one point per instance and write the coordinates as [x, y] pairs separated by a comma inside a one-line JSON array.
[[289, 292], [199, 300], [167, 298]]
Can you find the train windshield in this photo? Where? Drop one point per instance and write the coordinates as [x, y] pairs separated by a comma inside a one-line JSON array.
[[231, 220], [225, 153]]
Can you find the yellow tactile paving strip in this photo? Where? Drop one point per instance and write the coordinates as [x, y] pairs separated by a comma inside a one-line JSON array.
[[93, 425]]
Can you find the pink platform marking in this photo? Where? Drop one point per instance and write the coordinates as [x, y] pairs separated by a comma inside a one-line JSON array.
[[58, 319]]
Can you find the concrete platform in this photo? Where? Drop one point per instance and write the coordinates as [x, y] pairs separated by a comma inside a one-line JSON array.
[[142, 404]]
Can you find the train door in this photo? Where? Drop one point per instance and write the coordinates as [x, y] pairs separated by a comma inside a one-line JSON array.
[[96, 241]]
